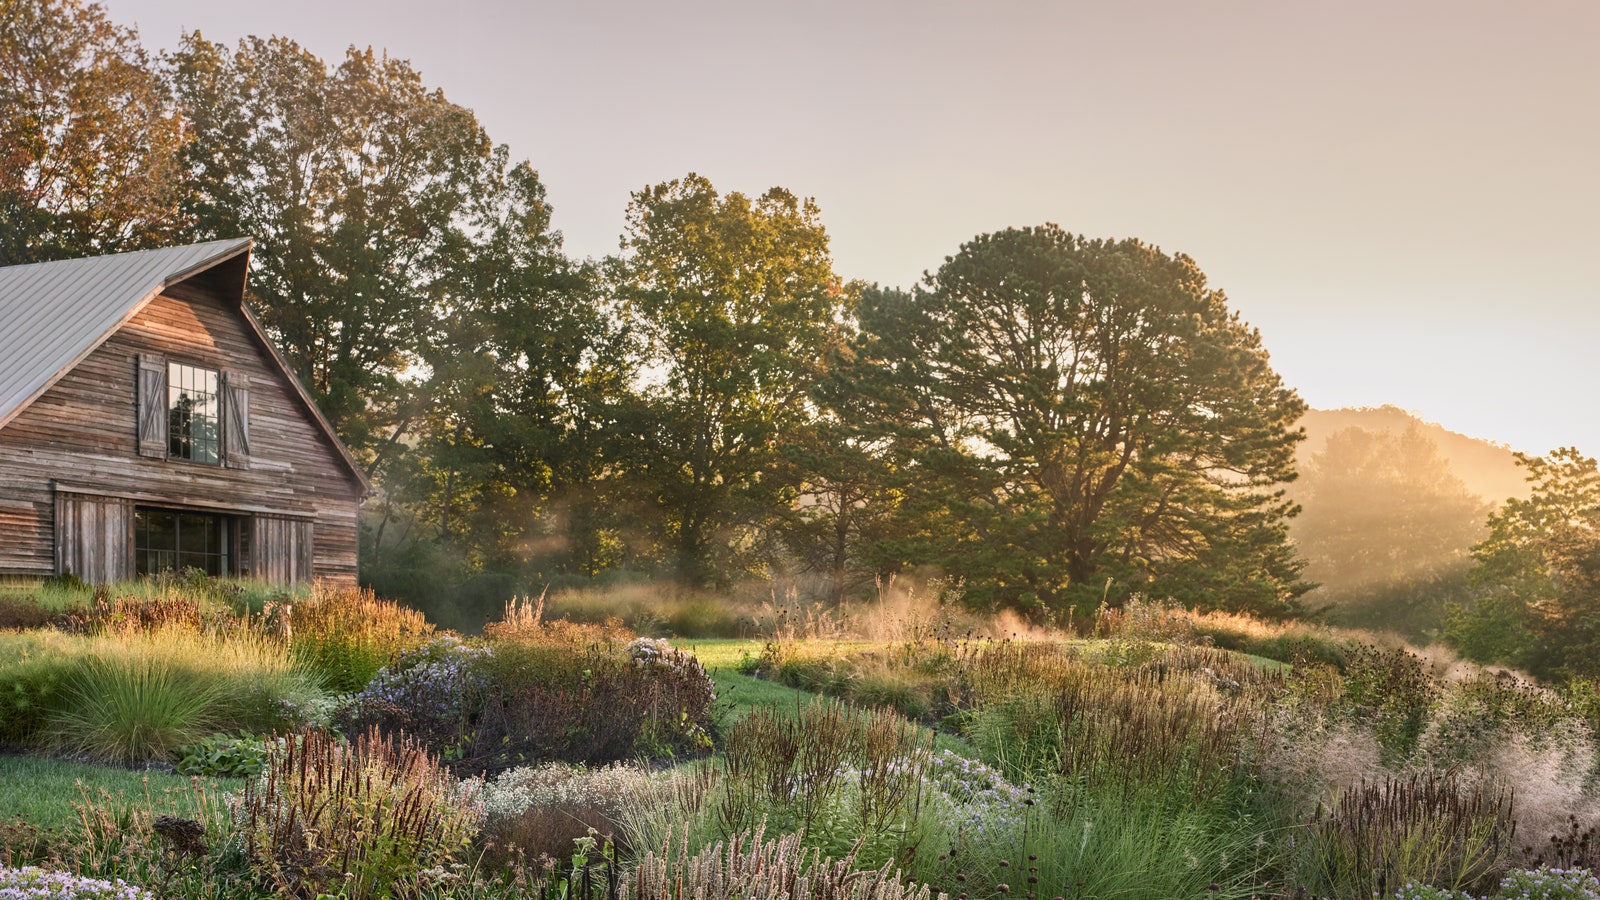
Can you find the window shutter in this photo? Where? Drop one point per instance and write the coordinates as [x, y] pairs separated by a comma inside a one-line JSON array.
[[236, 420], [152, 405]]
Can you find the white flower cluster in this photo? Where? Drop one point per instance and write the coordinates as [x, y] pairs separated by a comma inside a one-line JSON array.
[[609, 789], [648, 650]]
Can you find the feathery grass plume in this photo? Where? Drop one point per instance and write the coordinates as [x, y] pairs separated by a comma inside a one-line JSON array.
[[748, 867], [360, 820], [1425, 828]]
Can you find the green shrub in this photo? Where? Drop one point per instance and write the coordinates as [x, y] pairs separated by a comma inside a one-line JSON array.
[[33, 671], [577, 693], [434, 693], [369, 819]]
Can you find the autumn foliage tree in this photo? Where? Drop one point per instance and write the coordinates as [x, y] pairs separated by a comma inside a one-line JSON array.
[[89, 137]]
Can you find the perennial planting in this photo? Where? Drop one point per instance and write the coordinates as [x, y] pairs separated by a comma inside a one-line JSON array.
[[1136, 760]]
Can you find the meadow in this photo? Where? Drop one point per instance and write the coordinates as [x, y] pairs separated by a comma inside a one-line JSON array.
[[189, 738]]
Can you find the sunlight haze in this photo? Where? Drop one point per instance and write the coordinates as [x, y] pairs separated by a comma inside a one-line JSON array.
[[1401, 197]]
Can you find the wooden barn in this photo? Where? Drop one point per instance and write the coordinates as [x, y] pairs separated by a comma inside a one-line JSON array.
[[148, 424]]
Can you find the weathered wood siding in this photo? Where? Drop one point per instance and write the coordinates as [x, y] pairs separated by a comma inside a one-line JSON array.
[[83, 434], [93, 536], [283, 548]]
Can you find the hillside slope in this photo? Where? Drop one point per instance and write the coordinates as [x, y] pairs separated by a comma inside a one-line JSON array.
[[1488, 469]]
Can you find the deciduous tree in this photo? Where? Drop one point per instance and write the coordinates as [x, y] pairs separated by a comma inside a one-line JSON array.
[[735, 299], [1538, 573], [1085, 419], [89, 137], [367, 193]]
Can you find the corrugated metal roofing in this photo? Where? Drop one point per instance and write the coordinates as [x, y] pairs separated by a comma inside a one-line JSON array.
[[53, 313]]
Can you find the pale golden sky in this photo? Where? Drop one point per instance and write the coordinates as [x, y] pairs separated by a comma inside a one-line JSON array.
[[1402, 196]]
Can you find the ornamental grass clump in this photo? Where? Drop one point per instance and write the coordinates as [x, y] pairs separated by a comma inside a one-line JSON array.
[[133, 708], [369, 819], [347, 634], [1422, 829], [1170, 724], [846, 778], [139, 696], [749, 867]]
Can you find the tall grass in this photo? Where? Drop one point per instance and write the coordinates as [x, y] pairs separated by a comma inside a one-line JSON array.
[[132, 697], [1424, 829], [358, 820], [748, 866], [131, 708], [347, 634]]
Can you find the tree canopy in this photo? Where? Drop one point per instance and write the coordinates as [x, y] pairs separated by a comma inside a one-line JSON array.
[[1087, 419], [1058, 421], [735, 300], [1538, 574], [89, 142]]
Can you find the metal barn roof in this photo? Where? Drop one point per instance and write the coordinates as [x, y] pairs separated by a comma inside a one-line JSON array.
[[52, 314]]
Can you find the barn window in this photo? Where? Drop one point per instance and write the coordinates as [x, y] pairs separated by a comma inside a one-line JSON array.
[[166, 540], [194, 414]]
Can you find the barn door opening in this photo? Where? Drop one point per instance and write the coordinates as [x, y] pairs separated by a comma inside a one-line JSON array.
[[170, 540]]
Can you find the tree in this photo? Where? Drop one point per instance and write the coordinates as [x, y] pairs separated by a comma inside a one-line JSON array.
[[367, 193], [408, 269], [1387, 528], [89, 139], [1082, 420], [1538, 573], [735, 300]]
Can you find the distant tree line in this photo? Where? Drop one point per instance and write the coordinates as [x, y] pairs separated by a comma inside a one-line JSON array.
[[1059, 421]]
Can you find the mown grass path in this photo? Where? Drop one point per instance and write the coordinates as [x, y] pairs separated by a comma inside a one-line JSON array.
[[46, 792]]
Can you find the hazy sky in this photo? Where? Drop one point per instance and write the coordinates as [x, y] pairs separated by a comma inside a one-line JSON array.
[[1403, 196]]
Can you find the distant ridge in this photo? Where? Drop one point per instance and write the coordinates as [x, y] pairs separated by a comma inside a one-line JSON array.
[[1489, 469]]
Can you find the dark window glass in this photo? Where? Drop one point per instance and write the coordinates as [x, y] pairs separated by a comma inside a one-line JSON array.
[[194, 414], [167, 540]]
